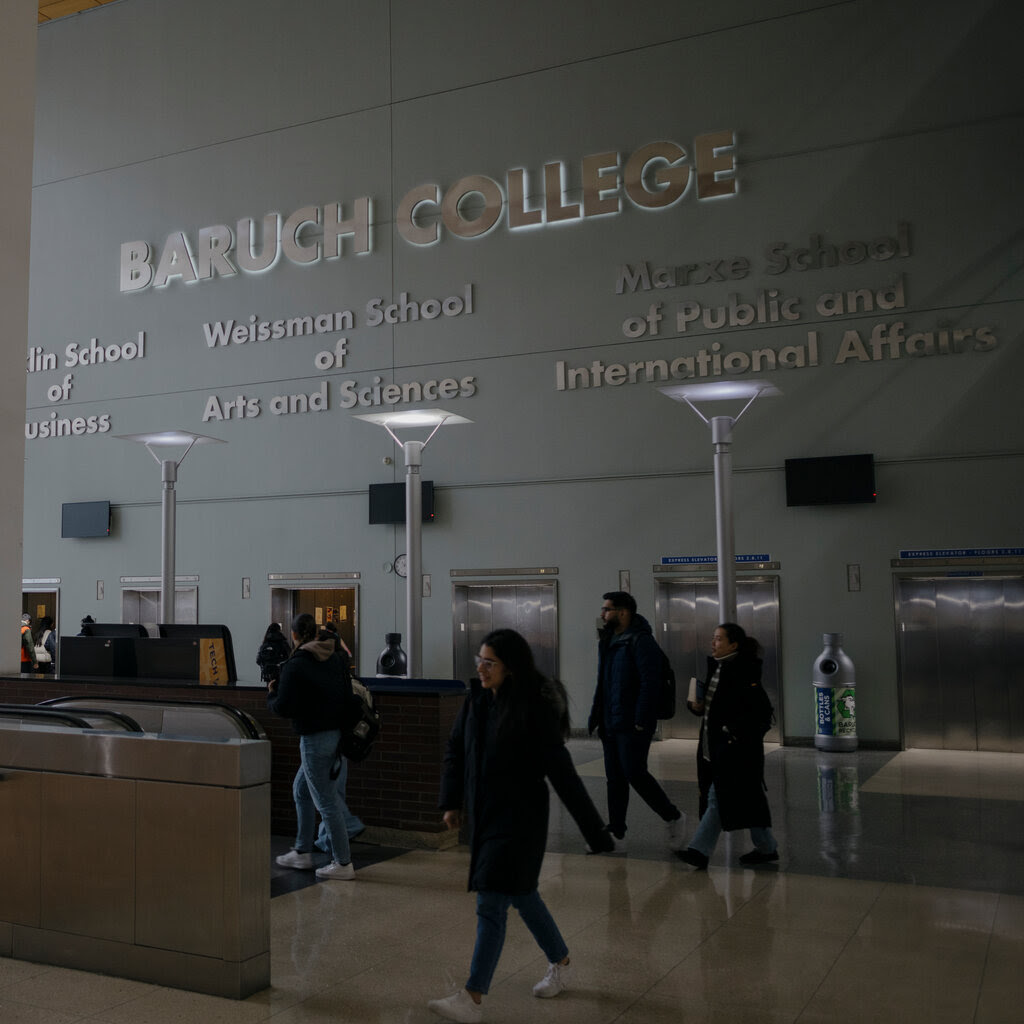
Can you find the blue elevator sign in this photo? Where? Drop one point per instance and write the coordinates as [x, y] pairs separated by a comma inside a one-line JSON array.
[[963, 553], [709, 559]]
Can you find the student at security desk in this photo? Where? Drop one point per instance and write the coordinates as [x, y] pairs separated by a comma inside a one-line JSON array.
[[508, 738], [630, 675], [45, 645], [314, 690], [736, 713], [28, 647], [48, 637], [353, 823], [274, 650]]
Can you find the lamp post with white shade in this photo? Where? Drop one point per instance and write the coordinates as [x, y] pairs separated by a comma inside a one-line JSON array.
[[168, 501], [413, 452], [721, 438]]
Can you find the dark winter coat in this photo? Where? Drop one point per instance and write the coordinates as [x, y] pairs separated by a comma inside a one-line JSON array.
[[314, 689], [739, 716], [630, 676], [498, 776], [272, 653]]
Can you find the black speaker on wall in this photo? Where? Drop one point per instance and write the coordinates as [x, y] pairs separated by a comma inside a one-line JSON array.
[[835, 480]]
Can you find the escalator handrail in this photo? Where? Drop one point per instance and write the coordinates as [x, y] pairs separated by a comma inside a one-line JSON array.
[[242, 718], [33, 711], [126, 721]]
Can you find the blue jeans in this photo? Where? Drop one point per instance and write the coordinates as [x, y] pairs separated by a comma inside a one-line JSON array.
[[710, 828], [625, 765], [491, 916], [353, 823], [314, 790]]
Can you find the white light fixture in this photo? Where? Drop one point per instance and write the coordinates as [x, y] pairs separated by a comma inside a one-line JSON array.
[[168, 501], [413, 451], [721, 437]]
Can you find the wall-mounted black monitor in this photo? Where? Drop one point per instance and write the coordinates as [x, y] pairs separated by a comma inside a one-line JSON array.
[[838, 480], [387, 502], [85, 519]]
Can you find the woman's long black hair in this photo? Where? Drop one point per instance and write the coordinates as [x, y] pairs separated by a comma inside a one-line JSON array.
[[524, 684]]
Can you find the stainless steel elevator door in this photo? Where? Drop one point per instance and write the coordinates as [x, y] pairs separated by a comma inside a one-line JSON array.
[[529, 608], [143, 606], [961, 662], [686, 613], [327, 603]]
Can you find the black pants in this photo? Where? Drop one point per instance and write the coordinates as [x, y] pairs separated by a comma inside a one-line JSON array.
[[625, 765]]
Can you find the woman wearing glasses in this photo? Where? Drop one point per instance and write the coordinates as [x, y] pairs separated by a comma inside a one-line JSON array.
[[510, 737]]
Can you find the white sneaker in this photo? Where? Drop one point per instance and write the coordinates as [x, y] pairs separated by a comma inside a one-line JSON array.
[[294, 859], [555, 981], [676, 833], [337, 872], [457, 1007]]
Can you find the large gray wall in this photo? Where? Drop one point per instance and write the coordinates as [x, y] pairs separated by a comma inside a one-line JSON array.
[[850, 120]]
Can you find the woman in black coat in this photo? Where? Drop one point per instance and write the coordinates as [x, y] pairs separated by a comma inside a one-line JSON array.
[[510, 737], [736, 713], [314, 690]]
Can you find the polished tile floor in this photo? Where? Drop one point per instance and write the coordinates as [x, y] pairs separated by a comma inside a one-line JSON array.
[[899, 897]]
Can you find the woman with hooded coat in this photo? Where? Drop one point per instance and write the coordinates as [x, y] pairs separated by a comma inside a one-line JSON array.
[[508, 739]]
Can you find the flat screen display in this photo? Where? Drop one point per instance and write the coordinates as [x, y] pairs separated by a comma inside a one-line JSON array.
[[837, 480], [85, 519], [387, 502]]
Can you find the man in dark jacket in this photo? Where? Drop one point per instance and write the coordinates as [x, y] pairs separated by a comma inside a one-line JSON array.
[[630, 674]]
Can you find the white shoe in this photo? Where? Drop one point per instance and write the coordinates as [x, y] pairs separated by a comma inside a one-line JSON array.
[[555, 981], [294, 859], [457, 1007], [676, 833], [337, 872]]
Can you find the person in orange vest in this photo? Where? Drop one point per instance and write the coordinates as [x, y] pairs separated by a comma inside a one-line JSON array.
[[28, 647]]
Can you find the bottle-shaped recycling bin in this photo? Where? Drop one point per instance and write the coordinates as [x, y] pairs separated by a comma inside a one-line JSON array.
[[392, 660], [835, 697]]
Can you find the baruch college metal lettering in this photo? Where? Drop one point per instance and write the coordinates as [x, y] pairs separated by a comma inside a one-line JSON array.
[[654, 177]]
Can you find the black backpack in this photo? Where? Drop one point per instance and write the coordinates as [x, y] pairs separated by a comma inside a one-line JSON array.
[[269, 659], [360, 726], [665, 707]]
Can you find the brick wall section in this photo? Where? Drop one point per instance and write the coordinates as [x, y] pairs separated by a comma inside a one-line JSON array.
[[395, 787]]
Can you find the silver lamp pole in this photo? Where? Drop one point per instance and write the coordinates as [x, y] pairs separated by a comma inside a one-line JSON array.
[[721, 439], [168, 536], [168, 501], [413, 452]]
